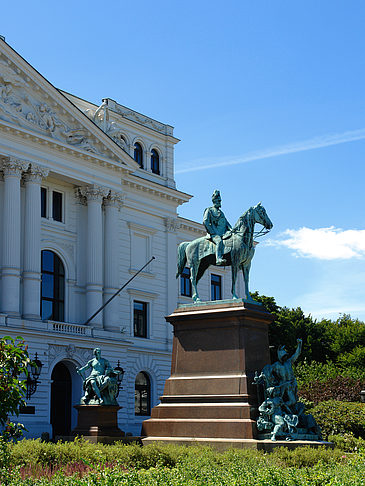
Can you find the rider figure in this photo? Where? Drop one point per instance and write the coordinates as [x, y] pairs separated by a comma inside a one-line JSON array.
[[217, 225]]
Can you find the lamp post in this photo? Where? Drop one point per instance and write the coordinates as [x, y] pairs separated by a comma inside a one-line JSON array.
[[120, 375], [34, 370]]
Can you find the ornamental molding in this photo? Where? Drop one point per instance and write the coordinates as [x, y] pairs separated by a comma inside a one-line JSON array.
[[63, 148], [171, 224], [139, 118], [156, 192], [192, 227], [114, 199], [93, 192], [12, 166], [36, 173], [57, 352]]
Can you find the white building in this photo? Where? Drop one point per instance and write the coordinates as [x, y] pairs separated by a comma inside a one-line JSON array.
[[88, 197]]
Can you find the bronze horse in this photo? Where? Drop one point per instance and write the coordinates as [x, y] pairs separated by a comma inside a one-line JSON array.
[[239, 249]]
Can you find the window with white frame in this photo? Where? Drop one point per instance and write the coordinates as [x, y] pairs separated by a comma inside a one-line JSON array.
[[52, 204], [140, 318]]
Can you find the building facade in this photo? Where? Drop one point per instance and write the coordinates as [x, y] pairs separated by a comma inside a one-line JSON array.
[[87, 198]]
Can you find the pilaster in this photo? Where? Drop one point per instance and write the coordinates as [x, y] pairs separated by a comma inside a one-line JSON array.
[[112, 205], [12, 169], [94, 267], [32, 241], [171, 226]]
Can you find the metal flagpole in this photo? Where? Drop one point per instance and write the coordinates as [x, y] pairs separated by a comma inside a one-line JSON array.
[[118, 291]]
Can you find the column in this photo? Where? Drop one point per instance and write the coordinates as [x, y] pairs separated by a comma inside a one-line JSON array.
[[12, 169], [171, 225], [112, 205], [94, 253], [32, 242]]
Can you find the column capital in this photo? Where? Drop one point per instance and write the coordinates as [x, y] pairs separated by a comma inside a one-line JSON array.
[[36, 173], [114, 199], [12, 166], [93, 192], [171, 224]]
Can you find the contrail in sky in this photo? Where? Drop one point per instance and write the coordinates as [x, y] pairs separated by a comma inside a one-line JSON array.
[[310, 144]]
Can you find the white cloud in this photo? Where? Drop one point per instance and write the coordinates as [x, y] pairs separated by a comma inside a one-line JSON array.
[[302, 146], [323, 243]]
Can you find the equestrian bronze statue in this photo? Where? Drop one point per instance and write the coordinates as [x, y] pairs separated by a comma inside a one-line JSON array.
[[223, 245]]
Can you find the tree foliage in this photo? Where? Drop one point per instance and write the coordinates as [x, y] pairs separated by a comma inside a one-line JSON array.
[[13, 367], [341, 341]]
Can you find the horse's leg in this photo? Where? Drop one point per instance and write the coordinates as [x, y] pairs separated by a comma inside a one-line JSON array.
[[246, 275], [193, 275], [234, 269]]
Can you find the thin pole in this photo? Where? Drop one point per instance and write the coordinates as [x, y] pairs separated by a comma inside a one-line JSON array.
[[118, 291]]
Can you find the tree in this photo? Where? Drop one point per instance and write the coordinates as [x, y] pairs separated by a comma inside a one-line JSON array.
[[13, 366]]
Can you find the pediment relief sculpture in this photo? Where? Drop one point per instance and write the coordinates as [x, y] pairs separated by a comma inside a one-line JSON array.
[[19, 105]]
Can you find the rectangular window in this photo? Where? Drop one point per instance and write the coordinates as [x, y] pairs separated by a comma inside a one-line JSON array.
[[185, 284], [140, 318], [216, 287], [43, 202], [57, 206]]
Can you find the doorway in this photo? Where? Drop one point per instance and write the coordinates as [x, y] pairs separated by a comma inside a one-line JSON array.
[[61, 400]]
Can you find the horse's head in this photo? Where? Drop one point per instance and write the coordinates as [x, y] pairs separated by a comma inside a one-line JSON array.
[[261, 216]]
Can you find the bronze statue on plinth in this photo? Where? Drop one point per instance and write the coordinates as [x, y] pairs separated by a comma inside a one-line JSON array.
[[234, 247]]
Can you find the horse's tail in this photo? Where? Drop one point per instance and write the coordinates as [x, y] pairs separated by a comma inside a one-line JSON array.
[[181, 257]]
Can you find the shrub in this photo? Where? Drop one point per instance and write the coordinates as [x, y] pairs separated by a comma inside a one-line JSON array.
[[348, 442], [336, 417], [340, 388]]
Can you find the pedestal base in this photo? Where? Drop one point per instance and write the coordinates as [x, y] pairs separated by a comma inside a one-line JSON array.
[[98, 423], [216, 350]]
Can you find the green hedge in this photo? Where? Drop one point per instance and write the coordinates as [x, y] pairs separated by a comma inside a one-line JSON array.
[[336, 417], [198, 466]]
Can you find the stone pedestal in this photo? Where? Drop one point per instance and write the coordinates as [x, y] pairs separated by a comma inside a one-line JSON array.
[[98, 423], [217, 348]]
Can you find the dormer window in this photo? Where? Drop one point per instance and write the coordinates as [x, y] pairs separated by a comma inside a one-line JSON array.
[[138, 154], [155, 162]]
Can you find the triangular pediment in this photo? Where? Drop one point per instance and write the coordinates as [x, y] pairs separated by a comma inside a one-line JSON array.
[[32, 104]]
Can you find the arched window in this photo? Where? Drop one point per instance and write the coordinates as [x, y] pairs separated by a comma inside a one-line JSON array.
[[142, 394], [138, 154], [53, 287], [155, 162]]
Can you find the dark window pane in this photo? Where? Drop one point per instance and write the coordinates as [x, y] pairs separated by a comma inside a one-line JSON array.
[[43, 202], [138, 154], [47, 310], [47, 285], [155, 162], [142, 394], [47, 261], [53, 287], [185, 284], [216, 287], [140, 318], [57, 206]]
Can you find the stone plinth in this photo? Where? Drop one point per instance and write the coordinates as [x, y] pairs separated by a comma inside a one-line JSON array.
[[98, 423], [217, 348]]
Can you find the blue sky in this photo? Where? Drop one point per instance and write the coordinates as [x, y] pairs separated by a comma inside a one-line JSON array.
[[268, 100]]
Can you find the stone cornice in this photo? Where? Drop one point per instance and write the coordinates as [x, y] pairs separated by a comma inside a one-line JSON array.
[[191, 226], [157, 190]]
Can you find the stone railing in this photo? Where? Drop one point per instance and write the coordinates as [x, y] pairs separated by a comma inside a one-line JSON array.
[[68, 328]]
